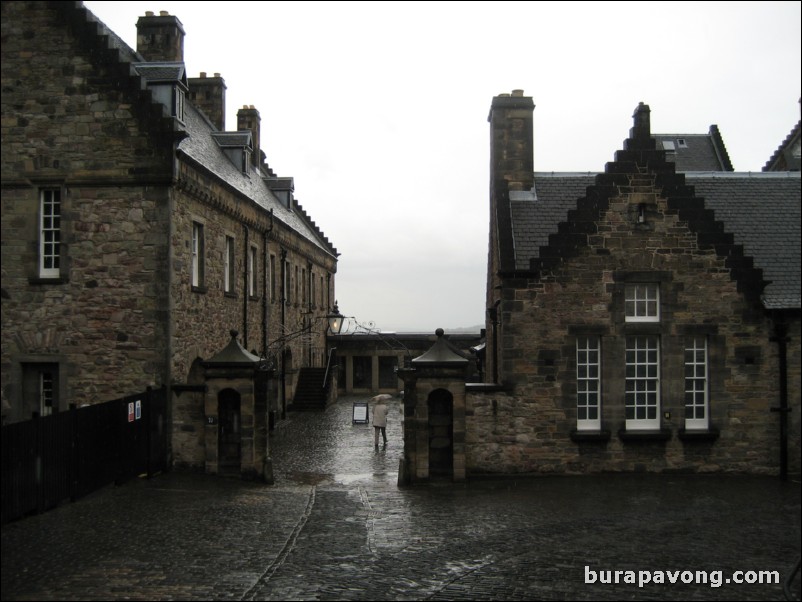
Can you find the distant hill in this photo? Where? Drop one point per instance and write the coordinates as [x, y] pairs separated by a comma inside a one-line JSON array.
[[465, 330]]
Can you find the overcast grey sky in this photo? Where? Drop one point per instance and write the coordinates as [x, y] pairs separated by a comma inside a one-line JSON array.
[[379, 111]]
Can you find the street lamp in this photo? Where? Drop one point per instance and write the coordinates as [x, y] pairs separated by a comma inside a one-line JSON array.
[[335, 319]]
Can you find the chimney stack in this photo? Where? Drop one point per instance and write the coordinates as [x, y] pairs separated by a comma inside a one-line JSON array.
[[209, 95], [248, 119], [511, 140], [641, 123], [160, 39]]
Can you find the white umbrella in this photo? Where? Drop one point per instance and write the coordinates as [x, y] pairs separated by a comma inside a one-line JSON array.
[[382, 397]]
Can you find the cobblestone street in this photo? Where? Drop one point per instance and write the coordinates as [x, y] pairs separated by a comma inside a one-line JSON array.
[[335, 526]]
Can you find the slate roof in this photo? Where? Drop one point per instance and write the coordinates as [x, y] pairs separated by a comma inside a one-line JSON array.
[[201, 147], [761, 210], [695, 152], [162, 72], [787, 154]]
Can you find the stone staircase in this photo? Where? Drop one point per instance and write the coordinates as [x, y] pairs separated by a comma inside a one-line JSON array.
[[311, 392]]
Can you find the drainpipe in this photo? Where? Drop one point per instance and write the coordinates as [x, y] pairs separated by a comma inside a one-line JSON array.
[[493, 311], [781, 338], [245, 290], [283, 375], [265, 284]]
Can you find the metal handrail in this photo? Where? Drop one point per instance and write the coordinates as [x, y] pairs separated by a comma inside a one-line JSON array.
[[328, 368]]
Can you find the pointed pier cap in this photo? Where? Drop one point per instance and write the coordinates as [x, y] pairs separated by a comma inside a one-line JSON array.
[[440, 354]]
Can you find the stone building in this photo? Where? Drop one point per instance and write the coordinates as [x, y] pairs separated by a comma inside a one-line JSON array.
[[646, 318], [368, 362], [137, 232]]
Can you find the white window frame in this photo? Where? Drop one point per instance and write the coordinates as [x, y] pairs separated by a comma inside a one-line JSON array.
[[197, 255], [252, 263], [229, 262], [588, 383], [697, 401], [50, 233], [642, 302], [642, 390]]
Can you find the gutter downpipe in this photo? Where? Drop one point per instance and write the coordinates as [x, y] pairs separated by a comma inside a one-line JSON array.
[[781, 338]]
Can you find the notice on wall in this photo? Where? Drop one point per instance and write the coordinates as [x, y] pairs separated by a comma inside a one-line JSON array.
[[131, 411], [138, 409], [360, 412]]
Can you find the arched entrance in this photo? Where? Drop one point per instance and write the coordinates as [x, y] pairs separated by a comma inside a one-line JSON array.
[[229, 431], [441, 433]]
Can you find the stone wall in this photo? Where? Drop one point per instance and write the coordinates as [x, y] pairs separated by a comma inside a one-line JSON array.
[[531, 428], [67, 126]]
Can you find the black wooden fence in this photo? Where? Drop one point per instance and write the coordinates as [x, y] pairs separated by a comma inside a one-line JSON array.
[[50, 459]]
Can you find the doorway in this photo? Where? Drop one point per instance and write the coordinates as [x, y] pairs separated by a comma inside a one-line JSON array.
[[229, 432], [441, 433]]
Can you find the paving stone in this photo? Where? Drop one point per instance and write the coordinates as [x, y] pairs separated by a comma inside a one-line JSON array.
[[335, 526]]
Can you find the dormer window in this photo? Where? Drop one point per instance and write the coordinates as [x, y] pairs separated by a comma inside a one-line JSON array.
[[681, 143], [668, 146], [167, 83], [237, 147], [283, 188]]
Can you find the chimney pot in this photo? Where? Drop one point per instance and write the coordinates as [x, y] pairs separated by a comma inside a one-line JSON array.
[[164, 13], [517, 93], [148, 13], [203, 74]]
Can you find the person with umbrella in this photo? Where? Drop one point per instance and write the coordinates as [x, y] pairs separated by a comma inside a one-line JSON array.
[[380, 418]]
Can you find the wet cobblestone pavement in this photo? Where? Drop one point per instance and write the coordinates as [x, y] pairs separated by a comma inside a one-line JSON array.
[[335, 526]]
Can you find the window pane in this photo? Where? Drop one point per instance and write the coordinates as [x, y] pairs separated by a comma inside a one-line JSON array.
[[588, 385]]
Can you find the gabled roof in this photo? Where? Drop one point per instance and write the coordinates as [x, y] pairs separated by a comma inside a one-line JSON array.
[[759, 212], [204, 146], [198, 143], [787, 156]]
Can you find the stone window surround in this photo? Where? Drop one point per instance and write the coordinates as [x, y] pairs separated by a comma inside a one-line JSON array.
[[198, 255], [663, 433]]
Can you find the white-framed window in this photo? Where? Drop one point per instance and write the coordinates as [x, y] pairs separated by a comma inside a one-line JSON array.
[[50, 233], [252, 263], [229, 263], [642, 382], [642, 302], [588, 383], [697, 415], [197, 255]]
